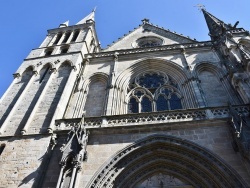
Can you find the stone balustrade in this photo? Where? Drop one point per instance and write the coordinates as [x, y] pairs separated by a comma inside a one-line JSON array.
[[162, 117], [152, 49]]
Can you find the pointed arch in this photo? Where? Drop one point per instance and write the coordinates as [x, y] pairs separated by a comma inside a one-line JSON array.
[[179, 75], [203, 66], [151, 64], [215, 86], [69, 62], [159, 153], [96, 99], [30, 68]]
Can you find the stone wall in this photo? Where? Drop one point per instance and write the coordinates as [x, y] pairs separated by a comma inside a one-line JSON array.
[[47, 106], [213, 136], [13, 94], [21, 162], [215, 94]]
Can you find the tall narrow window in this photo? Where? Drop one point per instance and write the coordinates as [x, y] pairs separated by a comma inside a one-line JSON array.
[[161, 103], [96, 98], [133, 106], [66, 37], [175, 102], [58, 37], [146, 105], [76, 33], [44, 74]]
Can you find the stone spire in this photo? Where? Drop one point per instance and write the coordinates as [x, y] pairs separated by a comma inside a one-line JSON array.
[[216, 26], [88, 18]]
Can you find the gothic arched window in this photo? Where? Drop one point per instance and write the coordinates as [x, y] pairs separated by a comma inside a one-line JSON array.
[[162, 103], [153, 92], [175, 102], [146, 105], [133, 105]]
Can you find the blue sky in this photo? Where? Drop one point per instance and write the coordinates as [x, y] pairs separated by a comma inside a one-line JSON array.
[[24, 23]]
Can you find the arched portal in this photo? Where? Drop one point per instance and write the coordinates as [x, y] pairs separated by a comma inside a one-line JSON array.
[[182, 161]]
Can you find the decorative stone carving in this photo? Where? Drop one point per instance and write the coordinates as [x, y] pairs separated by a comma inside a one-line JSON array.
[[240, 129], [153, 118], [153, 49], [167, 155], [73, 154]]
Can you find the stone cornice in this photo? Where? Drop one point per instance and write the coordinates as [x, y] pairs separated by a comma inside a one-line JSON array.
[[53, 55], [186, 46], [69, 28]]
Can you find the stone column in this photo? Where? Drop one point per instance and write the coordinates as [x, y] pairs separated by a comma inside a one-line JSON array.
[[194, 83], [73, 177], [61, 39], [61, 174], [46, 41], [111, 87], [53, 40]]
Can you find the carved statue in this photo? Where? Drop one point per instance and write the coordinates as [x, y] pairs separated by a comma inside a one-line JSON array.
[[82, 138]]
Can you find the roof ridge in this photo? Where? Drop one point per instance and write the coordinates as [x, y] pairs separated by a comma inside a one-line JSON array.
[[120, 38], [174, 32], [151, 24]]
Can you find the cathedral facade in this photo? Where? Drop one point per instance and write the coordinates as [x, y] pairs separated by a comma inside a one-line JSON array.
[[154, 109]]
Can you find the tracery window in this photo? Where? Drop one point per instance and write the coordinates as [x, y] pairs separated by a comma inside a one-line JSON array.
[[153, 91], [149, 42]]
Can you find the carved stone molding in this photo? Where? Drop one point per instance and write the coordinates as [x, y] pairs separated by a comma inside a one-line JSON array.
[[152, 118], [161, 153], [152, 49]]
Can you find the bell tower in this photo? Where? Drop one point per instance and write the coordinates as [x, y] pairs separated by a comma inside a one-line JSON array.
[[43, 82]]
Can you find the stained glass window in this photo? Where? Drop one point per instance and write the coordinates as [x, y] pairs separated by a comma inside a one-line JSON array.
[[151, 81], [161, 103], [133, 106], [175, 102], [150, 86], [139, 93], [165, 91], [146, 105]]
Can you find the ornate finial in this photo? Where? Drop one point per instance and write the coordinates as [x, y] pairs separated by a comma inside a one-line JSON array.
[[116, 56], [200, 6], [82, 119], [145, 20]]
